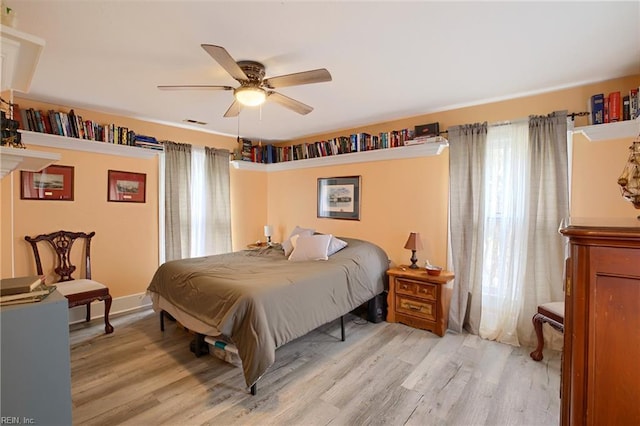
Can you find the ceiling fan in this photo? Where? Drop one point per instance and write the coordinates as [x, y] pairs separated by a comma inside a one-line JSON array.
[[254, 89]]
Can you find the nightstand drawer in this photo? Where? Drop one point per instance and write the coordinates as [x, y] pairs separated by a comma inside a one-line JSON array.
[[420, 308], [416, 288]]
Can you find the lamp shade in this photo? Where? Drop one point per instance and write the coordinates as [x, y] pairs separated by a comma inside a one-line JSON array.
[[250, 96], [414, 242], [268, 230]]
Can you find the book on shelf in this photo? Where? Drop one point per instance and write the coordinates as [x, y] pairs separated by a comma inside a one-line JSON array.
[[36, 295], [18, 285], [39, 124], [16, 114], [614, 107], [24, 120], [149, 145], [427, 130], [634, 101], [246, 152], [597, 108], [625, 108]]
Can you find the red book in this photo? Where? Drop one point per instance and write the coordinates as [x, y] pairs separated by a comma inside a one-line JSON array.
[[614, 107], [17, 117]]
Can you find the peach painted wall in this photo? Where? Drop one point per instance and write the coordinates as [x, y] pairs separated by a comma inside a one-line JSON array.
[[596, 168], [125, 248], [398, 197], [401, 196]]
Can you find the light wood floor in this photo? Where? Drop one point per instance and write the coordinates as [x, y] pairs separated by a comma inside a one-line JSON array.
[[387, 374]]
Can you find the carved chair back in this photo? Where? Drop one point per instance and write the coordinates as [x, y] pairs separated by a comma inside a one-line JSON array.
[[62, 242]]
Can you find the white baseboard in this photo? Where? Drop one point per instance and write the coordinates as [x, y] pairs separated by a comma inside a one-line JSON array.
[[118, 305]]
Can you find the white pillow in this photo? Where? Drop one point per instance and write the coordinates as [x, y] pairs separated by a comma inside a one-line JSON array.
[[311, 247], [298, 230], [335, 245], [287, 246]]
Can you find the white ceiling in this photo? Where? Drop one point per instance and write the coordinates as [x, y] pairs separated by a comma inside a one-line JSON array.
[[388, 60]]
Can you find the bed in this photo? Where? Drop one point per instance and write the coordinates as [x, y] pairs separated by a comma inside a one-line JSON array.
[[261, 300]]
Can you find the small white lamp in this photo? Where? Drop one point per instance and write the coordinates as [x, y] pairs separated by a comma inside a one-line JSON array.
[[268, 231]]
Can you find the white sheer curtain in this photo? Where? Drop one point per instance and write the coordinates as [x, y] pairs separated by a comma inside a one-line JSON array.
[[211, 211], [505, 218], [508, 195]]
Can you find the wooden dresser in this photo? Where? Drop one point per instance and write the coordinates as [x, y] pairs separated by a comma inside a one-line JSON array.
[[418, 299], [601, 357]]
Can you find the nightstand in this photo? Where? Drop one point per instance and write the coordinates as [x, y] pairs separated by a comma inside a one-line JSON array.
[[418, 299]]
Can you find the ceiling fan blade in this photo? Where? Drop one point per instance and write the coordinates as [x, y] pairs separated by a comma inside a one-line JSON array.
[[234, 109], [195, 87], [306, 77], [287, 102], [221, 56]]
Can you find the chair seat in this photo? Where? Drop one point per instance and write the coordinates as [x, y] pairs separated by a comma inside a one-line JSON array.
[[554, 307], [553, 311], [68, 288]]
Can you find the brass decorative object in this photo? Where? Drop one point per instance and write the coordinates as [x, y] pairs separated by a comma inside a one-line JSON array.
[[629, 180]]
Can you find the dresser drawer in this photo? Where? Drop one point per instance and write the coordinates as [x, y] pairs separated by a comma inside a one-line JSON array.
[[416, 288], [416, 307]]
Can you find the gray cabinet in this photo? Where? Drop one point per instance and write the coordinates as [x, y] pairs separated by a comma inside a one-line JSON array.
[[35, 362]]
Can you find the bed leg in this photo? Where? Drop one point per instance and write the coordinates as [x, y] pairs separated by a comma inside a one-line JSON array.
[[253, 389], [342, 327], [200, 345], [161, 320]]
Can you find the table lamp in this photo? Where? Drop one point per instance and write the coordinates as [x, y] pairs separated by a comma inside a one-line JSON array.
[[268, 230], [413, 244]]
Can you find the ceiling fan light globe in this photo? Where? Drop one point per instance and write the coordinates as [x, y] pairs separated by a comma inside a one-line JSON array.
[[250, 96]]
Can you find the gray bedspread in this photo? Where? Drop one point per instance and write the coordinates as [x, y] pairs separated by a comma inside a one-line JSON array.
[[261, 300]]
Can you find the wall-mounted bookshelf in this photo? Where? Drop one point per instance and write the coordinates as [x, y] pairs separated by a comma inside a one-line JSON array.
[[434, 146], [606, 131], [55, 141], [24, 159], [20, 55]]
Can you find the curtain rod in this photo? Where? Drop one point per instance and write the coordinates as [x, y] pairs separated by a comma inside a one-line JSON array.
[[572, 115]]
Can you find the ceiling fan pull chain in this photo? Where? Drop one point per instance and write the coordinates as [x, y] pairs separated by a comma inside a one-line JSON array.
[[260, 122]]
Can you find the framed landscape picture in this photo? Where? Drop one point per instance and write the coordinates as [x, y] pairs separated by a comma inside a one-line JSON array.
[[51, 183], [339, 197], [126, 187]]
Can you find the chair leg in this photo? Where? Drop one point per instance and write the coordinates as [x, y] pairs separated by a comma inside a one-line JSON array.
[[108, 328], [161, 320], [536, 355], [88, 318]]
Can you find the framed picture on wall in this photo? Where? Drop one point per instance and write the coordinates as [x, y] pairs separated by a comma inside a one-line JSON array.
[[339, 197], [126, 187], [51, 183]]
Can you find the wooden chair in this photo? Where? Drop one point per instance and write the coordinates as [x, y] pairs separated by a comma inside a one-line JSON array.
[[551, 313], [77, 291]]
